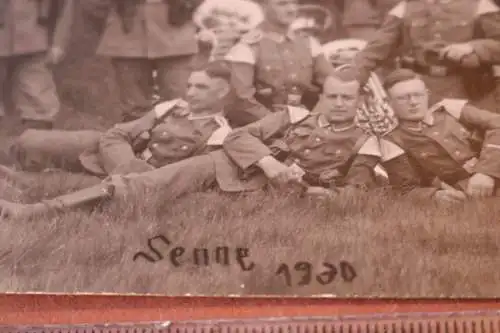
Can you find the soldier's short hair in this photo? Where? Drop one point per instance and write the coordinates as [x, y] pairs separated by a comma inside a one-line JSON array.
[[216, 69], [397, 76]]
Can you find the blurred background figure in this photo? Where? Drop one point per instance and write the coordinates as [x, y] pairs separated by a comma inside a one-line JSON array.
[[144, 37], [362, 18], [453, 44], [314, 19], [272, 66], [33, 36], [221, 23]]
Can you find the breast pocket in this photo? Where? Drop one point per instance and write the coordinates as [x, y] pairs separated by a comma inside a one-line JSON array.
[[298, 139], [460, 31], [418, 29]]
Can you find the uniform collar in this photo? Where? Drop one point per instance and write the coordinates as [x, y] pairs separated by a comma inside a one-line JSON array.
[[323, 122], [275, 33]]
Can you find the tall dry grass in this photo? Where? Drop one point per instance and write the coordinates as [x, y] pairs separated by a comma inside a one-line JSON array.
[[398, 248]]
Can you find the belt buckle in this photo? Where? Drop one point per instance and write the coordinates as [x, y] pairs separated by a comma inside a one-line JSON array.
[[435, 70]]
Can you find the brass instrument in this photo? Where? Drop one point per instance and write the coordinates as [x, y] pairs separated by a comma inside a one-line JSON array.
[[375, 115], [312, 20]]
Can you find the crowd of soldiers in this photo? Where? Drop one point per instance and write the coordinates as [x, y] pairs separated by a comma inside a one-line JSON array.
[[290, 94]]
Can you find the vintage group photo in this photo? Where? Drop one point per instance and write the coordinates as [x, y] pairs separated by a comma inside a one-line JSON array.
[[319, 148]]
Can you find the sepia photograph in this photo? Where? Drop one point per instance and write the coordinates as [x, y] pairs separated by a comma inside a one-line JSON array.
[[312, 148]]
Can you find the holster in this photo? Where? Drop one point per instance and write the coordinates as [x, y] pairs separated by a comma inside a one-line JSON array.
[[88, 196]]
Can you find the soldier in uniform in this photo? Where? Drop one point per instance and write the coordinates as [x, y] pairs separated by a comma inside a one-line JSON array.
[[362, 18], [33, 36], [318, 151], [172, 131], [271, 66], [453, 44], [450, 151], [143, 36]]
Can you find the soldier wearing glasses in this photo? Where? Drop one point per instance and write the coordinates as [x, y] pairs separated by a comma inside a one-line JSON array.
[[452, 142]]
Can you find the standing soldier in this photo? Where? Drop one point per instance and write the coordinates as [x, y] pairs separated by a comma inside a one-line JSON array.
[[143, 36], [452, 44], [33, 35], [272, 66]]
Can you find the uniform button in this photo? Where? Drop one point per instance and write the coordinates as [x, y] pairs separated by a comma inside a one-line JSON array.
[[154, 145], [338, 151], [164, 133], [424, 154], [435, 133], [307, 151], [317, 140], [184, 147], [457, 152]]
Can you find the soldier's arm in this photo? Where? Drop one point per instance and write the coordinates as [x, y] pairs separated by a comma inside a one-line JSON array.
[[405, 177], [361, 170], [116, 144], [322, 67], [387, 38], [64, 25], [487, 48], [248, 145], [486, 122], [241, 59]]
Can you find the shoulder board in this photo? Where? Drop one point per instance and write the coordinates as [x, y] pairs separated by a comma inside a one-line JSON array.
[[162, 109], [453, 107], [370, 146], [297, 114], [389, 150], [399, 10], [252, 37], [486, 7]]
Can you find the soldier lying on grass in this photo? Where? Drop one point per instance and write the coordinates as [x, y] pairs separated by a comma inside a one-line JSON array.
[[317, 150], [452, 141]]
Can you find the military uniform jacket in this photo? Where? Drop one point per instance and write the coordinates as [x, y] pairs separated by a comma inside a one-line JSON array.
[[456, 141], [151, 35], [25, 26], [328, 157], [267, 66], [178, 136], [413, 26]]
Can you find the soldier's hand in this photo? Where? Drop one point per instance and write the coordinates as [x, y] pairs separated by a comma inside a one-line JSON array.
[[278, 172], [54, 55], [449, 196], [456, 52], [480, 186]]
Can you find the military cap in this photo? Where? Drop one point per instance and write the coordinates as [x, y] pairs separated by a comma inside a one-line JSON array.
[[399, 75]]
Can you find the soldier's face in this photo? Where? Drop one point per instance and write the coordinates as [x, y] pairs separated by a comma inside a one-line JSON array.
[[341, 100], [282, 11], [204, 93], [409, 99]]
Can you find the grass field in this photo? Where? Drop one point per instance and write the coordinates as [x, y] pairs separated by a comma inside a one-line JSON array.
[[395, 247]]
